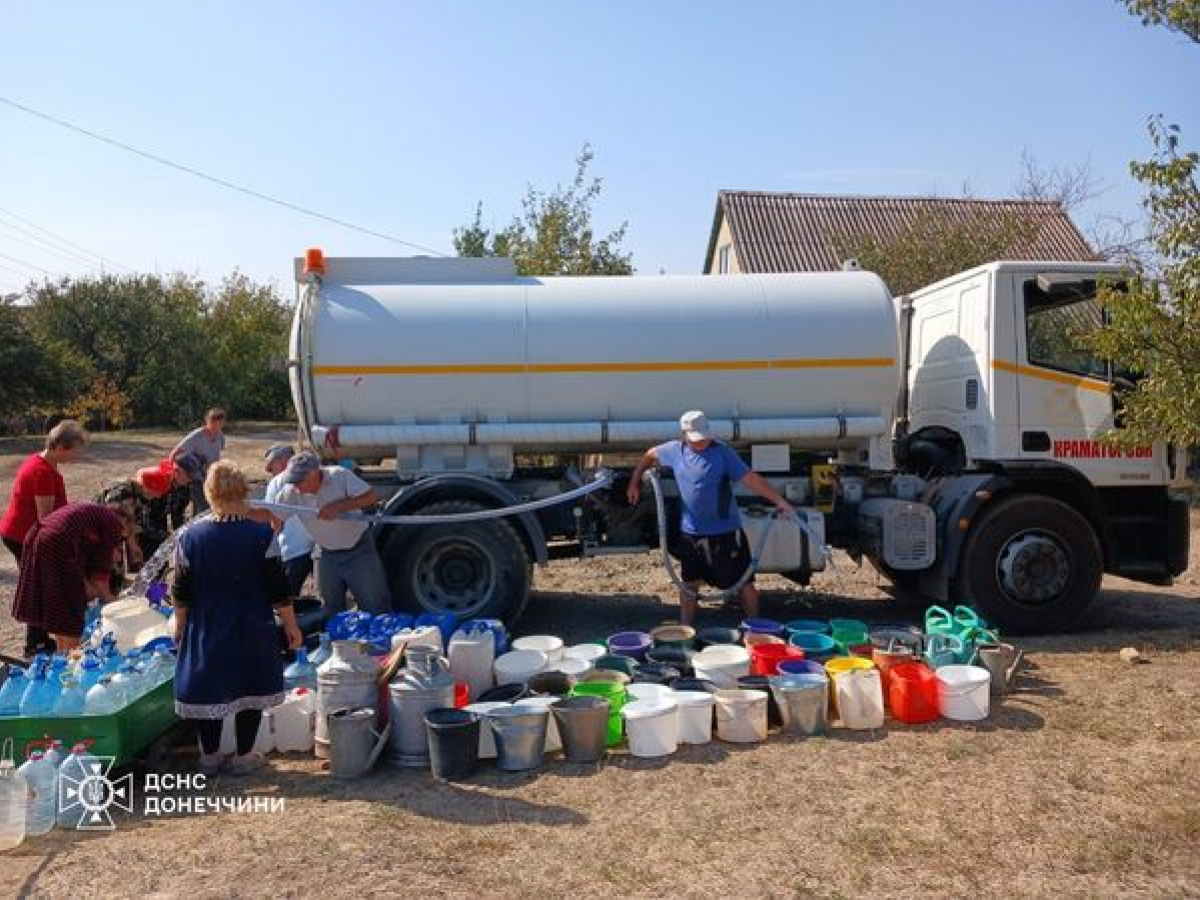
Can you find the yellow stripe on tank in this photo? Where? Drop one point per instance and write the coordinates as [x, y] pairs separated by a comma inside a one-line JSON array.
[[613, 367]]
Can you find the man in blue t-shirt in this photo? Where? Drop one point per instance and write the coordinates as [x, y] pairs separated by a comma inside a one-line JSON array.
[[712, 546]]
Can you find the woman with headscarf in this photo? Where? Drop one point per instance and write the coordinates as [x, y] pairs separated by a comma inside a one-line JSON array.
[[66, 562], [224, 589]]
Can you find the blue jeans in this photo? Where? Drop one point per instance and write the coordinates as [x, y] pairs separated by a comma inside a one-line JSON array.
[[359, 569]]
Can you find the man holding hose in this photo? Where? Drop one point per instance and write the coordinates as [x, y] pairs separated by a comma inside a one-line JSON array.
[[712, 548]]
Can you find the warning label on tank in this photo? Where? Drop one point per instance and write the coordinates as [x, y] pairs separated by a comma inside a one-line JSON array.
[[1098, 450]]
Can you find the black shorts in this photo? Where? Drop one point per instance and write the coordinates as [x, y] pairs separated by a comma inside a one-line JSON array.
[[717, 559]]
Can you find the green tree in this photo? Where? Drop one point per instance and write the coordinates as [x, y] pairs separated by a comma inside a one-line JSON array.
[[1182, 16], [554, 234], [36, 375], [143, 334], [247, 327], [1154, 323]]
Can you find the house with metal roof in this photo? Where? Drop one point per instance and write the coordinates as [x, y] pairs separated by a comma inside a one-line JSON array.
[[765, 231]]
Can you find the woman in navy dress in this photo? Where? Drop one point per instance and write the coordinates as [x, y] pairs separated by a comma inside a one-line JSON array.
[[225, 588]]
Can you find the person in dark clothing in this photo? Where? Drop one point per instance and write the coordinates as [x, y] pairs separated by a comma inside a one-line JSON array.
[[225, 590]]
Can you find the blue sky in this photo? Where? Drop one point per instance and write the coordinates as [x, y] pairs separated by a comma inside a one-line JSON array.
[[400, 116]]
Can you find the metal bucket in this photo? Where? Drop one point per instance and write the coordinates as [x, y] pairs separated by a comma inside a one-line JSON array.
[[347, 679], [583, 726], [520, 733], [354, 744], [803, 703]]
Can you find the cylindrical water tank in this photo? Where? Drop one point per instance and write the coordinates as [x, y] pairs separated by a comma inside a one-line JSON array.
[[597, 362]]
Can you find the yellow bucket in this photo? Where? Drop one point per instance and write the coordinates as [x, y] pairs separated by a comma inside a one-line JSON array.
[[840, 665]]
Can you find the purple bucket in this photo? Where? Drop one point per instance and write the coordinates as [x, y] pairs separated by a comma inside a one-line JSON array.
[[630, 643], [763, 626], [800, 667]]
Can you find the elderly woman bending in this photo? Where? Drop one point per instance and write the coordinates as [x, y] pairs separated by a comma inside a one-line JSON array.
[[224, 589]]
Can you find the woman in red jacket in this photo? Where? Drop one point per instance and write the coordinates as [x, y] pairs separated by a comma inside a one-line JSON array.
[[37, 491]]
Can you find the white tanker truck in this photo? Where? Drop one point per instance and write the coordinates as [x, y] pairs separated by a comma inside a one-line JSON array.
[[951, 437]]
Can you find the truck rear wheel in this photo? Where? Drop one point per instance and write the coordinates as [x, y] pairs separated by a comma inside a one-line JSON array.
[[472, 569], [1031, 564]]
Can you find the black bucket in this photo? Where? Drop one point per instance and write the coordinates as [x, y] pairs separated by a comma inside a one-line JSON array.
[[504, 693], [676, 657], [655, 673], [763, 683], [706, 637], [695, 684], [453, 743], [558, 684]]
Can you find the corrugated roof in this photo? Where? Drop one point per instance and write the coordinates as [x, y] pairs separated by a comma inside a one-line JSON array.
[[783, 232]]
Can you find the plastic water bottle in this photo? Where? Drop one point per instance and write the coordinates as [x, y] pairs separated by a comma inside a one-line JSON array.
[[70, 699], [38, 699], [323, 652], [161, 668], [41, 782], [14, 793], [301, 673], [11, 691], [103, 699], [55, 755], [124, 685], [110, 658], [89, 672], [76, 769]]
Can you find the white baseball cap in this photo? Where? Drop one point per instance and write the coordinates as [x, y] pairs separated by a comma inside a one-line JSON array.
[[695, 427]]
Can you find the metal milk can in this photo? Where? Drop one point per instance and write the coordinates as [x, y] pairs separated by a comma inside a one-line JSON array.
[[347, 679], [424, 683]]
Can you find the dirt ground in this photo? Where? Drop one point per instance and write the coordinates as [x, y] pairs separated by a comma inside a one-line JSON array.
[[1082, 783]]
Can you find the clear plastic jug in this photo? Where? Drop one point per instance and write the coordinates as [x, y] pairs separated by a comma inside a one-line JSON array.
[[12, 690], [13, 800], [41, 781], [301, 673], [38, 699], [71, 697], [102, 699]]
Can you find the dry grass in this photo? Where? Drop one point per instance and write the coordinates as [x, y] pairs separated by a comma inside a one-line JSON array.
[[1083, 783]]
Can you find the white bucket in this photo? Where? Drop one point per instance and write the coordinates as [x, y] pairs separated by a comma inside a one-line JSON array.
[[639, 691], [859, 699], [553, 740], [425, 635], [741, 716], [570, 665], [487, 744], [126, 619], [722, 664], [589, 653], [547, 643], [963, 692], [695, 716], [516, 666], [471, 657], [651, 727], [294, 722]]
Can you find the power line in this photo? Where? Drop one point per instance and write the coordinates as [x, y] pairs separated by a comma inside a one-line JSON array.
[[250, 192], [44, 246], [28, 265], [66, 242]]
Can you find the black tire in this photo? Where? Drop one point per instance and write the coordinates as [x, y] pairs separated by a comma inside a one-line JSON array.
[[1031, 564], [473, 569]]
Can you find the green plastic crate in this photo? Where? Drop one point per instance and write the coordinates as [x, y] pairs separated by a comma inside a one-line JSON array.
[[123, 735]]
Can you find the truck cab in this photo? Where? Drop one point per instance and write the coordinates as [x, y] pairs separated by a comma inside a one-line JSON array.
[[998, 382]]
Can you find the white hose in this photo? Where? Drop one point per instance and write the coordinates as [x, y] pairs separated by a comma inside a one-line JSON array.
[[602, 480]]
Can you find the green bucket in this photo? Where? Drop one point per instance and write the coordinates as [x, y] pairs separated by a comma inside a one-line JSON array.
[[616, 696]]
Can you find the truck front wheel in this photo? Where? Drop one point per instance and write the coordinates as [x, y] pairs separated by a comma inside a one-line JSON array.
[[1031, 564], [473, 569]]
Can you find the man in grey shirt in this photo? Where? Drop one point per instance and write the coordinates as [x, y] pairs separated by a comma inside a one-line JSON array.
[[349, 559], [206, 444]]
